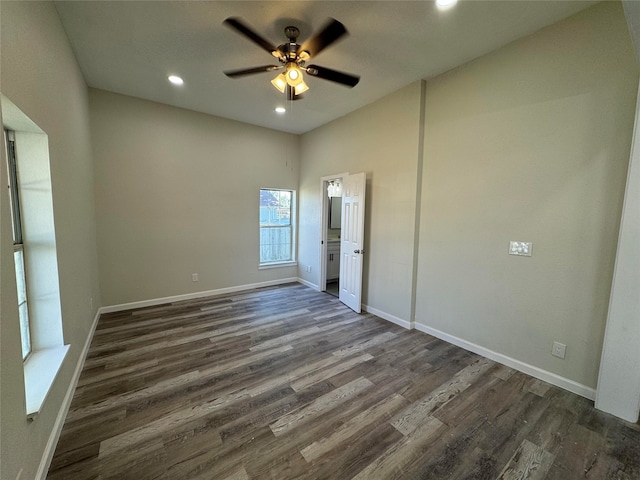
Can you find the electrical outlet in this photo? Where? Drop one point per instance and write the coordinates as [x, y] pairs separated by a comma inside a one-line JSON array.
[[194, 277], [559, 349]]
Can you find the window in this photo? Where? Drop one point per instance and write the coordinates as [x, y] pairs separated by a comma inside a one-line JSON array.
[[276, 227], [35, 253], [18, 244]]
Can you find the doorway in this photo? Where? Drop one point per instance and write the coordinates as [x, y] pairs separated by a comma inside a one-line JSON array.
[[331, 233], [334, 194], [350, 238]]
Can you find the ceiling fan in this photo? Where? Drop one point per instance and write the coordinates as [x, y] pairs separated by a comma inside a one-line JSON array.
[[292, 57]]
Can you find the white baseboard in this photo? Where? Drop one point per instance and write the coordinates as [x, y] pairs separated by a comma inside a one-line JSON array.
[[309, 284], [549, 377], [536, 372], [191, 296], [52, 442], [387, 316], [367, 308]]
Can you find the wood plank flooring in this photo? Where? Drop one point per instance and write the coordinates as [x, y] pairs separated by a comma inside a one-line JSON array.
[[287, 383]]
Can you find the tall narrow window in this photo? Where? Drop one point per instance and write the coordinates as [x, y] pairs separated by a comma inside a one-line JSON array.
[[276, 228], [18, 243]]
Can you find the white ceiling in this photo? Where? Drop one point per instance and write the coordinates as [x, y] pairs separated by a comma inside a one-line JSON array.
[[130, 47]]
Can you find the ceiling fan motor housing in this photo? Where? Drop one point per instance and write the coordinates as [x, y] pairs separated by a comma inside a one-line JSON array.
[[290, 50], [292, 33]]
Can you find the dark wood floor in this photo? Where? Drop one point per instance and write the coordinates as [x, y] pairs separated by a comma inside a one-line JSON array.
[[286, 382]]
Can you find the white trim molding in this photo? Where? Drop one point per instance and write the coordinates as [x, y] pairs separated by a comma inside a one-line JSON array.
[[52, 442], [40, 371], [267, 266], [619, 377], [309, 284], [387, 316], [544, 375], [190, 296]]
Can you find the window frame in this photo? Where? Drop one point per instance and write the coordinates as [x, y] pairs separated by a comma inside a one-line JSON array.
[[18, 244], [263, 264]]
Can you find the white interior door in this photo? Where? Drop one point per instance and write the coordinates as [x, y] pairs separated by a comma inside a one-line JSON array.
[[352, 240]]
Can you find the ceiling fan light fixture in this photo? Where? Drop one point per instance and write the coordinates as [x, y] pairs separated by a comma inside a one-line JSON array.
[[293, 57], [304, 56], [293, 74], [280, 82], [301, 88]]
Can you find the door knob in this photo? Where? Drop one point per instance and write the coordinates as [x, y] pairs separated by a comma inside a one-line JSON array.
[[356, 251]]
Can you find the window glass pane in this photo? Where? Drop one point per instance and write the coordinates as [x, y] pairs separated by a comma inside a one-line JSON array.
[[24, 329], [275, 207], [18, 253], [18, 257], [275, 226], [275, 244]]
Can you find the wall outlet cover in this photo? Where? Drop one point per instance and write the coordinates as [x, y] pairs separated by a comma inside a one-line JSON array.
[[559, 350]]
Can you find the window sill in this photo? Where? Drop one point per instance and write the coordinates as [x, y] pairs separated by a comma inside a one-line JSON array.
[[40, 370], [265, 266]]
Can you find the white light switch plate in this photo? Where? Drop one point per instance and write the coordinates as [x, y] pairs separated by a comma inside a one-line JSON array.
[[520, 248]]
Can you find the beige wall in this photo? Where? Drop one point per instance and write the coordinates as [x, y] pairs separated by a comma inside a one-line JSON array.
[[530, 143], [40, 76], [382, 140], [177, 193]]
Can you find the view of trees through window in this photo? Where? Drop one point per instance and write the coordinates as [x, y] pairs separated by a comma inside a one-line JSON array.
[[276, 232]]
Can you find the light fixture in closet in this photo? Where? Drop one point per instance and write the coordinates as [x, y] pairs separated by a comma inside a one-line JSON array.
[[334, 189], [445, 4]]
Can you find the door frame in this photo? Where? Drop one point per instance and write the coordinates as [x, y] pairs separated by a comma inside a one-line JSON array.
[[324, 227]]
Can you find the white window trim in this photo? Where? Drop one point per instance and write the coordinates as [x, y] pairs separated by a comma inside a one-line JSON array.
[[40, 370], [265, 266], [294, 233]]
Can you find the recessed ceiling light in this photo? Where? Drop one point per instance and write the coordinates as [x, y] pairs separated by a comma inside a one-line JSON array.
[[444, 4], [280, 110], [175, 80]]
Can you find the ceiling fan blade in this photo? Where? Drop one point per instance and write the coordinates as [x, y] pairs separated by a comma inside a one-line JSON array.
[[242, 28], [331, 32], [251, 71], [333, 75]]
